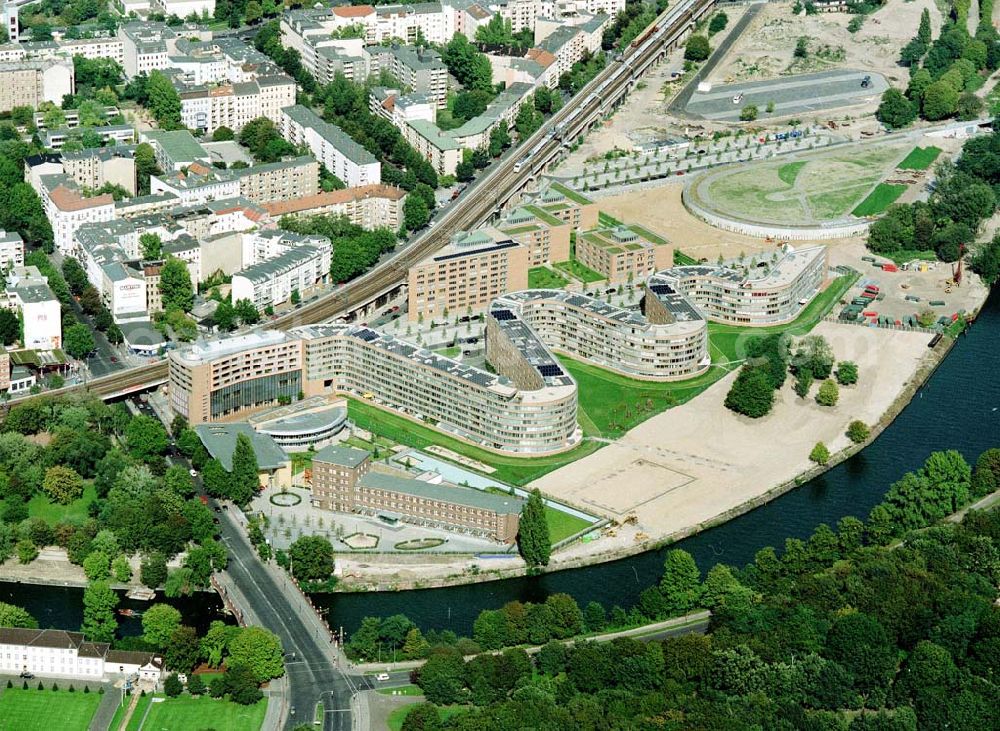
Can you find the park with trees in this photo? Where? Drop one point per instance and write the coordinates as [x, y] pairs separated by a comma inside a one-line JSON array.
[[888, 624]]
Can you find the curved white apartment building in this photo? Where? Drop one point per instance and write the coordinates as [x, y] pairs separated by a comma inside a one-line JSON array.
[[768, 293]]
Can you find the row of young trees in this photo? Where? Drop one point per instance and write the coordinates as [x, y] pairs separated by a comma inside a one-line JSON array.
[[838, 633]]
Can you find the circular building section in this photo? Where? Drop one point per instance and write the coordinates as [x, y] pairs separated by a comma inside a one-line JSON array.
[[314, 422]]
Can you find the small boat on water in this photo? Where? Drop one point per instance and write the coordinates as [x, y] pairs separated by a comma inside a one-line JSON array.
[[129, 613], [141, 593]]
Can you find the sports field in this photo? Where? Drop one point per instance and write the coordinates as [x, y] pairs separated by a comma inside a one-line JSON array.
[[814, 188], [46, 710]]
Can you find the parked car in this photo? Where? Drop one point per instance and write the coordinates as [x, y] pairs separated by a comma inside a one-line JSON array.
[[26, 675], [382, 677]]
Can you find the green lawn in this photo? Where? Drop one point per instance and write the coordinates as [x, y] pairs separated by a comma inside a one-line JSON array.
[[578, 271], [901, 257], [920, 158], [789, 171], [137, 717], [682, 260], [727, 340], [46, 710], [545, 278], [396, 718], [186, 713], [301, 461], [563, 525], [884, 195], [76, 512], [512, 470], [606, 220]]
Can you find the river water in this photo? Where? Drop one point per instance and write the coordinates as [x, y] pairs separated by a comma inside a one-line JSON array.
[[958, 408]]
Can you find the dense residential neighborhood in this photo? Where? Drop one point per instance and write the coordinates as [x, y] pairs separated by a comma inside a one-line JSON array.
[[529, 364]]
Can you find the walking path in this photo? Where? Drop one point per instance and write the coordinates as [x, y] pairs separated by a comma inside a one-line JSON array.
[[677, 625], [106, 710]]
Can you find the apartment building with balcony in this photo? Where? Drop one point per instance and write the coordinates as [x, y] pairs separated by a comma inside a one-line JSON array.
[[273, 281], [341, 155], [28, 293], [11, 250], [421, 70], [566, 204], [467, 274], [30, 82], [624, 253], [546, 237], [67, 208], [766, 292], [368, 206]]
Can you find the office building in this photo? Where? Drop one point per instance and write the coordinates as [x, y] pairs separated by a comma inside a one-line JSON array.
[[465, 275], [343, 479]]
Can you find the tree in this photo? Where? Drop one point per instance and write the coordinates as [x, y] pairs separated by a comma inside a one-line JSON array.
[[242, 686], [62, 484], [158, 623], [145, 438], [533, 539], [145, 166], [425, 716], [697, 48], [150, 245], [99, 604], [244, 480], [14, 616], [820, 454], [183, 649], [749, 113], [924, 29], [828, 393], [681, 581], [415, 212], [940, 100], [10, 327], [195, 685], [259, 650], [751, 393], [26, 551], [499, 139], [153, 570], [895, 110], [225, 316], [163, 101], [121, 569], [312, 558], [172, 686], [442, 677], [718, 22], [801, 47], [814, 352], [175, 285], [253, 12], [469, 66], [216, 641], [223, 134], [858, 431], [847, 373], [528, 121], [245, 310], [78, 340], [97, 566]]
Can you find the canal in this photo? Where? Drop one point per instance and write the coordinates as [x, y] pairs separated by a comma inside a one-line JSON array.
[[959, 408]]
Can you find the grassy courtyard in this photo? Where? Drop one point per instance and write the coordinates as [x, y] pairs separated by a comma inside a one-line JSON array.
[[562, 525], [884, 195], [186, 712], [545, 278], [578, 271], [46, 710], [822, 187]]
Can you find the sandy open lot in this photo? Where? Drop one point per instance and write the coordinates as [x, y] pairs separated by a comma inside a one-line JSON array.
[[661, 210], [766, 48], [691, 463]]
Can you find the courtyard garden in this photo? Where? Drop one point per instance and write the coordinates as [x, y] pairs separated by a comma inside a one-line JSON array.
[[46, 710]]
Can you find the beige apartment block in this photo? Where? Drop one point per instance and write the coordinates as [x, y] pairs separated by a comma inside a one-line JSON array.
[[467, 274], [368, 206], [624, 253], [567, 205], [546, 237]]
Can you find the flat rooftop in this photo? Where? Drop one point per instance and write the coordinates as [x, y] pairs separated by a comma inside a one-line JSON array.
[[503, 504]]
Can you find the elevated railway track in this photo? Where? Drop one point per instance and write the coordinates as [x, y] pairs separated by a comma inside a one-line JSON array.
[[481, 200]]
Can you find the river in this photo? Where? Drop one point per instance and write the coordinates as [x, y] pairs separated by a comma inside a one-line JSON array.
[[958, 408]]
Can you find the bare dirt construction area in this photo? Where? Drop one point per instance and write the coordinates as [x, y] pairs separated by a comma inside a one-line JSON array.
[[767, 48], [672, 475], [662, 210]]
